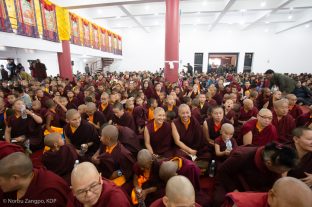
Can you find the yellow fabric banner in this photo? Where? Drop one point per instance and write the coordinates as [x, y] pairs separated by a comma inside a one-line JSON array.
[[12, 13], [38, 17], [63, 24]]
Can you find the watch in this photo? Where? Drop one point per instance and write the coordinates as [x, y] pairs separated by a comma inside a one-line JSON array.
[[119, 173]]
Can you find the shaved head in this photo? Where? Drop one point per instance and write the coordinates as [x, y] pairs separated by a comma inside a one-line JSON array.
[[16, 163], [282, 194], [157, 110], [227, 127], [70, 113], [167, 170], [91, 106], [247, 101], [51, 139], [183, 106], [111, 132], [83, 172], [265, 112], [179, 191], [290, 96], [145, 158]]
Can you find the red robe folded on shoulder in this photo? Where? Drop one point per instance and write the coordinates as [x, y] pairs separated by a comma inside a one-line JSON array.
[[7, 149], [284, 127], [125, 120], [129, 139], [245, 116], [246, 199]]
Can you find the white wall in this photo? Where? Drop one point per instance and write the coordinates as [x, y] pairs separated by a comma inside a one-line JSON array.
[[286, 52]]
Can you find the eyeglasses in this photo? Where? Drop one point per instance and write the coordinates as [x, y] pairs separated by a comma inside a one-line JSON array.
[[94, 188], [266, 117]]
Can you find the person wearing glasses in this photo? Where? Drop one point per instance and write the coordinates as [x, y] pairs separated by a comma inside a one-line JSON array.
[[252, 168], [259, 131], [90, 189]]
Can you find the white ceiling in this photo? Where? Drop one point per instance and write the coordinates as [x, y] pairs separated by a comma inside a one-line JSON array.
[[276, 16]]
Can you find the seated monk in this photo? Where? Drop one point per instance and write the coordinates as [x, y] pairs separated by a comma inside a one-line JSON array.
[[179, 192], [259, 131], [8, 148], [113, 160], [22, 184], [303, 145], [251, 168], [96, 118], [247, 112], [151, 105], [146, 181], [170, 105], [203, 106], [212, 126], [281, 195], [294, 109], [129, 139], [82, 109], [283, 122], [277, 95], [90, 189], [81, 134], [139, 114], [229, 113], [195, 112], [187, 133], [224, 144], [158, 135], [52, 118], [305, 119], [122, 117], [105, 107], [60, 158]]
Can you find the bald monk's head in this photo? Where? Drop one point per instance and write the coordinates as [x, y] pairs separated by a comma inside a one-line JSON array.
[[91, 108], [82, 108], [84, 177], [109, 135], [277, 95], [73, 118], [227, 131], [281, 107], [184, 112], [16, 169], [145, 159], [264, 117], [248, 104], [167, 170], [292, 98], [290, 192], [54, 141], [159, 115], [179, 192], [104, 98]]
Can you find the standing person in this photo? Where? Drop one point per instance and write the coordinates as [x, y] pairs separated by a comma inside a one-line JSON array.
[[87, 69], [283, 82], [4, 73], [41, 71], [189, 69], [12, 68]]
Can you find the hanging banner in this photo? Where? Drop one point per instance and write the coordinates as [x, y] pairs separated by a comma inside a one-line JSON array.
[[12, 13], [75, 32], [26, 18], [115, 43], [119, 45], [5, 24], [63, 23], [86, 33], [103, 38], [95, 35], [110, 42], [48, 15]]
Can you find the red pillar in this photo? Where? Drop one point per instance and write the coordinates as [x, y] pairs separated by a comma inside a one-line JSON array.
[[172, 40], [64, 61]]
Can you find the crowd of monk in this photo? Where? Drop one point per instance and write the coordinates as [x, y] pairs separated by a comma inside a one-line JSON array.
[[133, 139]]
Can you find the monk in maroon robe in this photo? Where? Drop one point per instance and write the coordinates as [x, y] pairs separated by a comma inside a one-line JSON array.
[[283, 122], [253, 169], [259, 131], [129, 139], [61, 158], [179, 191], [140, 117], [263, 97], [81, 134], [122, 117], [96, 118], [170, 105], [31, 185], [294, 110], [305, 119], [247, 112], [105, 107], [196, 112], [281, 195], [90, 189], [229, 113], [42, 97], [73, 102], [7, 148], [203, 106], [158, 135]]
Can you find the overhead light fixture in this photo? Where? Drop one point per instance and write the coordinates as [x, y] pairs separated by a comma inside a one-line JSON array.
[[204, 3], [267, 22], [242, 22], [266, 30], [198, 12], [156, 14], [291, 8], [307, 25], [290, 17], [147, 7], [117, 17], [263, 4], [198, 20], [243, 10]]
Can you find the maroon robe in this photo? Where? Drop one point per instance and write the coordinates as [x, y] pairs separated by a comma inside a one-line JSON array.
[[304, 120], [222, 145], [108, 111], [99, 117], [7, 149], [190, 170], [161, 140], [231, 114], [61, 162], [129, 139], [18, 125], [304, 165], [140, 116], [125, 120], [245, 116], [267, 135], [196, 114], [204, 111], [159, 203], [284, 127], [246, 199], [62, 115], [45, 187], [84, 133], [244, 170], [111, 195], [72, 104], [296, 111], [174, 109], [56, 119], [213, 134], [35, 134], [43, 101], [192, 136]]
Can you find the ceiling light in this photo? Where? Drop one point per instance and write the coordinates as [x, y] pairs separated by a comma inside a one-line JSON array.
[[198, 20], [243, 10], [267, 22], [290, 17], [146, 7], [307, 25], [291, 8], [156, 14], [266, 30], [117, 17], [242, 22], [198, 12], [204, 3], [263, 4]]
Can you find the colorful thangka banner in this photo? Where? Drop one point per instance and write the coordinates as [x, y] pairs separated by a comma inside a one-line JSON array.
[[119, 51], [26, 18], [5, 24], [48, 15], [86, 33], [103, 40], [75, 32], [95, 35]]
